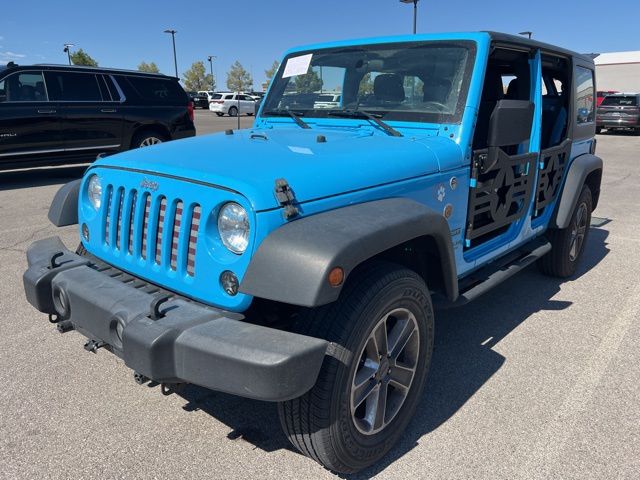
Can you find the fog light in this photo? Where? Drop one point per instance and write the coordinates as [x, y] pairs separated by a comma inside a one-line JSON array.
[[229, 282], [85, 232]]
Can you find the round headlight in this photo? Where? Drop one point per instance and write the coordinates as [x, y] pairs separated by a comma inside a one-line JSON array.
[[94, 191], [233, 226]]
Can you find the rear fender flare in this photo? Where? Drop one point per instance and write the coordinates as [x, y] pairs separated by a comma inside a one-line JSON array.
[[578, 172]]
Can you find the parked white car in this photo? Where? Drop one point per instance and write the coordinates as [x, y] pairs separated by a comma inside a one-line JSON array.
[[327, 100], [230, 103]]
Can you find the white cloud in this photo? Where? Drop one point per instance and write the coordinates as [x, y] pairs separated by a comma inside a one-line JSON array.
[[9, 54]]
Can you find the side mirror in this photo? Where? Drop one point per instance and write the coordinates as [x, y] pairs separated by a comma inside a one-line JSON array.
[[510, 124]]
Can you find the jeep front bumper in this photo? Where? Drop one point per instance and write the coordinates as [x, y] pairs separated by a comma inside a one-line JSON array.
[[170, 340]]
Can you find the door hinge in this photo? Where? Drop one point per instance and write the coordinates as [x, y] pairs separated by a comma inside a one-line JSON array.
[[286, 198]]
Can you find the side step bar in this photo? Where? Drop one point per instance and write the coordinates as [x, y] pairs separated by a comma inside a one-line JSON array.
[[485, 279]]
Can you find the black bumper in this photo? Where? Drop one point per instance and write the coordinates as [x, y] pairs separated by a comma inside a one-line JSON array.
[[183, 342]]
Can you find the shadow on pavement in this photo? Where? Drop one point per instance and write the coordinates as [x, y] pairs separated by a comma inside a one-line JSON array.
[[463, 361], [627, 133], [37, 177]]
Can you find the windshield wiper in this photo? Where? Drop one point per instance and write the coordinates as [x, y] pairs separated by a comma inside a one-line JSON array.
[[375, 118], [288, 113]]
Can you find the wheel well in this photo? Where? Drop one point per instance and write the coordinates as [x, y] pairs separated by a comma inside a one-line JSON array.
[[593, 181], [420, 255], [145, 129]]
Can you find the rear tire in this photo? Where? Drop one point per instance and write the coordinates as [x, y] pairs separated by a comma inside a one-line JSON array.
[[340, 422], [233, 111], [598, 130], [220, 114], [567, 244]]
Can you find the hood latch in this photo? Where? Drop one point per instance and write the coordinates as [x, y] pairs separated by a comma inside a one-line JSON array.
[[286, 198]]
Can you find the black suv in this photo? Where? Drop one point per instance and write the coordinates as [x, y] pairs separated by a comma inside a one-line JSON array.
[[53, 113]]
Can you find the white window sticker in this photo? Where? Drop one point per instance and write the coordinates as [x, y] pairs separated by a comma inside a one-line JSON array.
[[297, 66]]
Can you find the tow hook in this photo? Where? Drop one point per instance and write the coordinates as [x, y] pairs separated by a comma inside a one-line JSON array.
[[52, 261], [93, 346]]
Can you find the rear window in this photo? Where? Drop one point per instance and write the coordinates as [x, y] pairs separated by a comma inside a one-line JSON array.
[[157, 91], [216, 96], [629, 101]]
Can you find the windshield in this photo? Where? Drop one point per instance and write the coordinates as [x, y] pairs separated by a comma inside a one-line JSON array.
[[418, 82], [621, 101]]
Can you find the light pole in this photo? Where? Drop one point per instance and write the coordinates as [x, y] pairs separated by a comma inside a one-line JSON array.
[[173, 38], [528, 34], [210, 58], [67, 50], [415, 12]]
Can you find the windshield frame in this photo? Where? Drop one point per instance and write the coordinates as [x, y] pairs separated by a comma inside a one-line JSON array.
[[277, 84]]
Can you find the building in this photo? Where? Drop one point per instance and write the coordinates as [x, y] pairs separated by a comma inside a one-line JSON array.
[[618, 71]]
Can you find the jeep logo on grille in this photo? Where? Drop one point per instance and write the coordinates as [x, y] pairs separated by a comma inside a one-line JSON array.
[[149, 185]]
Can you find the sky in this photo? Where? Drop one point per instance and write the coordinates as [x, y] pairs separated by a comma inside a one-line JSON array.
[[121, 34]]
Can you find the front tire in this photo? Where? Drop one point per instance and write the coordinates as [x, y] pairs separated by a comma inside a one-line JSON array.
[[567, 244], [362, 402]]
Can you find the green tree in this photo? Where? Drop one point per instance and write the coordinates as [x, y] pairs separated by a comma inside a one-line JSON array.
[[80, 57], [148, 67], [271, 72], [238, 79], [308, 83], [197, 78]]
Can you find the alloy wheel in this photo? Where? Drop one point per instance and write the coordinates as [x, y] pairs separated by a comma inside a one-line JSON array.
[[578, 232], [385, 371], [147, 142]]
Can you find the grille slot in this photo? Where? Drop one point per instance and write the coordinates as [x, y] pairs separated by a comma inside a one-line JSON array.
[[175, 237], [161, 214], [145, 224], [107, 226], [119, 221], [132, 219], [193, 239]]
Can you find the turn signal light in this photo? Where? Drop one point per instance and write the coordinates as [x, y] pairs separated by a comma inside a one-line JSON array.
[[336, 277]]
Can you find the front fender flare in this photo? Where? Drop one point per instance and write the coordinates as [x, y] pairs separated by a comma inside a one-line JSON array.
[[578, 172], [64, 208], [293, 262]]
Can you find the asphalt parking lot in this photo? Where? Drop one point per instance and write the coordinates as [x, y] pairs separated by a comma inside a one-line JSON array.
[[538, 379]]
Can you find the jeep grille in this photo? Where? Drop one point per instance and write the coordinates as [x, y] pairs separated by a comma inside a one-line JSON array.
[[143, 221]]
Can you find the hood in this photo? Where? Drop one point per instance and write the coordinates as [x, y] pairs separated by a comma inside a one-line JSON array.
[[250, 161]]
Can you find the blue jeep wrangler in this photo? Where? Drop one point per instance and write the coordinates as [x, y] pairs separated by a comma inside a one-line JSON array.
[[300, 261]]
